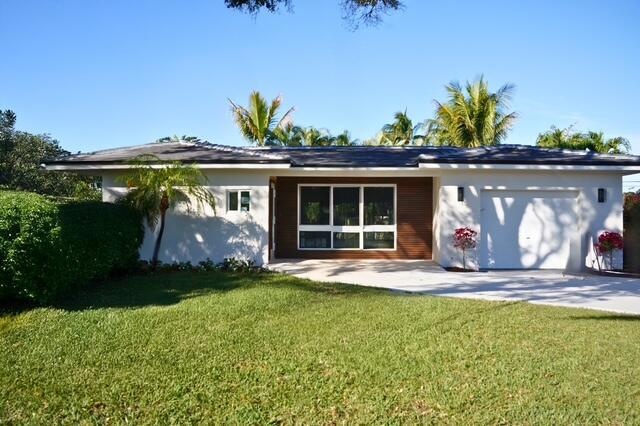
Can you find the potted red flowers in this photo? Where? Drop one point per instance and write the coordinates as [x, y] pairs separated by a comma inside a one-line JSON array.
[[608, 243], [464, 239]]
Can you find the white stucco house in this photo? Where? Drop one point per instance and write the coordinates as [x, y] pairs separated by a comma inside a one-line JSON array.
[[532, 208]]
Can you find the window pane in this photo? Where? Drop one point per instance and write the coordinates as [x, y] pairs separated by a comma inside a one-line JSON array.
[[378, 206], [245, 201], [346, 206], [233, 200], [314, 205], [315, 239], [378, 240], [346, 240]]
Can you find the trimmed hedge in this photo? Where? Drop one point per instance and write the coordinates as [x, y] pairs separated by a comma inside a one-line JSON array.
[[632, 233], [48, 248]]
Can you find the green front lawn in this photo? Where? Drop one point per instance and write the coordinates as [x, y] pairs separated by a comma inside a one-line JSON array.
[[189, 347]]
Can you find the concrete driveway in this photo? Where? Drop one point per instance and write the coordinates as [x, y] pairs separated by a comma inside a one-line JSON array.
[[543, 287]]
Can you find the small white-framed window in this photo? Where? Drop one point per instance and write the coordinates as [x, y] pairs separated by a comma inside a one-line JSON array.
[[239, 200]]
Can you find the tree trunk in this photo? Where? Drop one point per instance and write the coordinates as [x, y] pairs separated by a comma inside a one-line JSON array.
[[464, 259], [164, 206]]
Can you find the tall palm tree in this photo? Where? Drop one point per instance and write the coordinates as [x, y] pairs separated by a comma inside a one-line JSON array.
[[401, 131], [472, 116], [153, 190], [592, 141], [258, 121]]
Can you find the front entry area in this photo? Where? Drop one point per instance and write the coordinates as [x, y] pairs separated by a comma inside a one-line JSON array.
[[528, 229], [352, 218]]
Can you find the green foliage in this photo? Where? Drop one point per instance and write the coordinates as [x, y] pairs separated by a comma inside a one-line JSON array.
[[355, 12], [472, 116], [259, 120], [176, 138], [568, 138], [153, 190], [401, 132], [290, 135], [47, 248], [632, 231], [180, 183], [21, 157]]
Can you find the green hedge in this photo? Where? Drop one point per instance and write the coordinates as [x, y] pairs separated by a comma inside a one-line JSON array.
[[632, 238], [48, 248]]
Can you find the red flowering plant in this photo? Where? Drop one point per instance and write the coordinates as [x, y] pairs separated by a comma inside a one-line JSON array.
[[464, 239], [608, 243]]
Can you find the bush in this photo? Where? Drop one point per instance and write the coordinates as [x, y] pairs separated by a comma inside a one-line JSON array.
[[632, 232], [47, 248]]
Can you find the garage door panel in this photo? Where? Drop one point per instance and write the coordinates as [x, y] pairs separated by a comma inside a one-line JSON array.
[[527, 229]]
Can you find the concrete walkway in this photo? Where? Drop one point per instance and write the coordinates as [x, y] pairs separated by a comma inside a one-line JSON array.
[[543, 287]]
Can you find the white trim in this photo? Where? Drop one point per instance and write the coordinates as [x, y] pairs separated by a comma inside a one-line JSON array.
[[568, 167], [431, 166], [159, 166], [361, 228], [239, 191]]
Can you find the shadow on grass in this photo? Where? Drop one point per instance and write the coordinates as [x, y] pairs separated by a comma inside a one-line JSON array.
[[170, 288], [612, 317]]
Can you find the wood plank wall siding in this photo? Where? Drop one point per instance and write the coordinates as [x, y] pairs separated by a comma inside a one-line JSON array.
[[414, 219]]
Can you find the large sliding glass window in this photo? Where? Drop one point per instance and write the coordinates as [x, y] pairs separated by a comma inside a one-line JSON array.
[[347, 217]]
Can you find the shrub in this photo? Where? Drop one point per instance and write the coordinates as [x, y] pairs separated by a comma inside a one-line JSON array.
[[608, 242], [47, 248], [464, 239], [632, 232]]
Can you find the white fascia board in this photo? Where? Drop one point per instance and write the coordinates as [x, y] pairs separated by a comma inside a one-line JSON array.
[[72, 167], [568, 167], [354, 169]]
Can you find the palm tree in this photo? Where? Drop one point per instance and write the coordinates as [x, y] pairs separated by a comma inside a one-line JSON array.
[[344, 139], [176, 138], [617, 145], [401, 131], [472, 117], [287, 135], [592, 141], [259, 120], [153, 190], [312, 136]]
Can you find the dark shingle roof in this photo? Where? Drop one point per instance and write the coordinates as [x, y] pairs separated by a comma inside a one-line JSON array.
[[351, 156]]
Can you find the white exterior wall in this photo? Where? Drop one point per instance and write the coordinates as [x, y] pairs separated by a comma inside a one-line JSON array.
[[593, 217], [195, 236], [198, 235]]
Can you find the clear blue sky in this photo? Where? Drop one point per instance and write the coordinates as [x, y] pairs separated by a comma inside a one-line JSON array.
[[99, 74]]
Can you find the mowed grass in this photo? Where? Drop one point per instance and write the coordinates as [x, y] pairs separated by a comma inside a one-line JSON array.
[[217, 348]]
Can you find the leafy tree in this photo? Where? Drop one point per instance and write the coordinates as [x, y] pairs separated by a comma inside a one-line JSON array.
[[312, 136], [593, 141], [344, 139], [401, 131], [153, 190], [472, 116], [176, 138], [21, 157], [259, 120], [287, 135], [355, 12], [291, 135]]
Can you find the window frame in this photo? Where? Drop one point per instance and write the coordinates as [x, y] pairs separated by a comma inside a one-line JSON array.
[[238, 192], [360, 229]]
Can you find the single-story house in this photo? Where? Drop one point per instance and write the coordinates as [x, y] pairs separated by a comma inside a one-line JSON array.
[[532, 208]]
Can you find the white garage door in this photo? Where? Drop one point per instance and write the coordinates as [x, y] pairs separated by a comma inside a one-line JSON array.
[[527, 229]]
